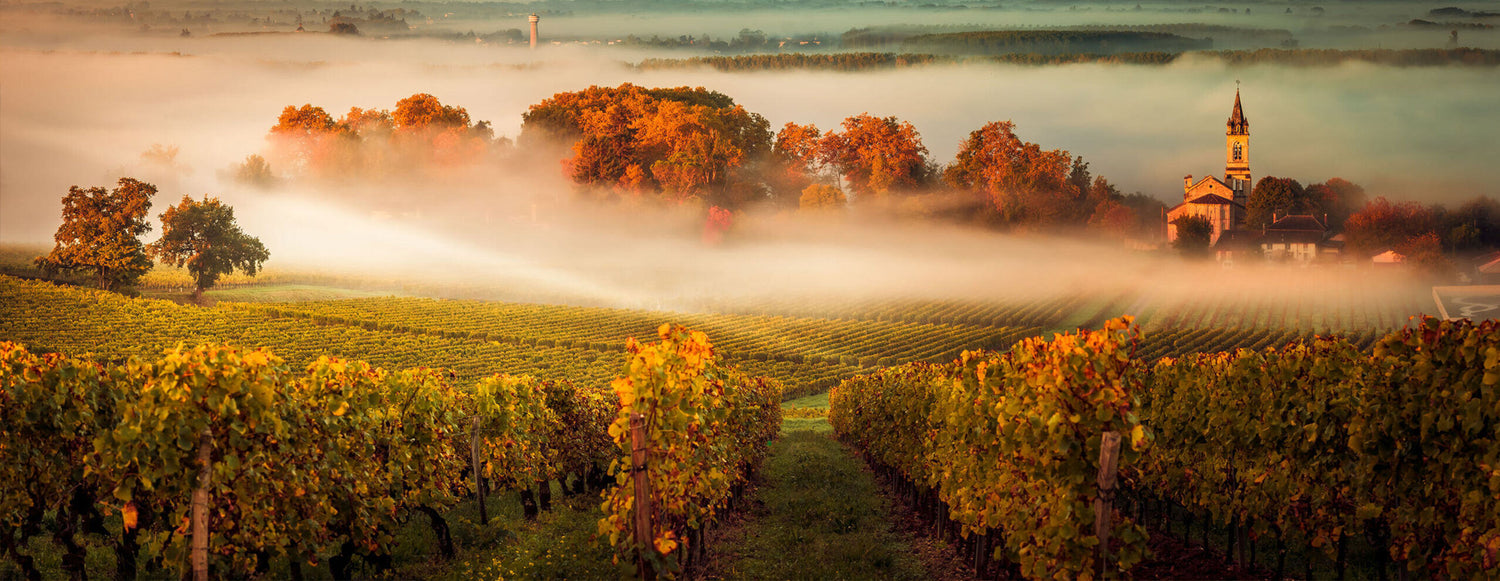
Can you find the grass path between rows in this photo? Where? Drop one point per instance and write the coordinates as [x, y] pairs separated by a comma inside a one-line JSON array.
[[817, 513]]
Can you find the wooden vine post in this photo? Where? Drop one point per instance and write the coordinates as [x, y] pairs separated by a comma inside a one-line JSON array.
[[484, 513], [199, 553], [1109, 459], [638, 459]]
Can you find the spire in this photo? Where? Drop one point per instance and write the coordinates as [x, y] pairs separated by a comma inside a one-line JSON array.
[[1238, 125]]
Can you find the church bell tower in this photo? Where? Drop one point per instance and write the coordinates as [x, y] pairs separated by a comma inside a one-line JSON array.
[[1237, 153]]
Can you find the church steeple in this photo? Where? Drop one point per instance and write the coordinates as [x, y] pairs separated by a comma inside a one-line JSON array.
[[1237, 152], [1237, 123]]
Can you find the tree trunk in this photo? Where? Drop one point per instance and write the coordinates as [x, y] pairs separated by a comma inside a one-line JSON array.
[[197, 295]]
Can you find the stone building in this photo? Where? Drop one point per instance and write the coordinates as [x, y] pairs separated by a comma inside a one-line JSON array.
[[1221, 201]]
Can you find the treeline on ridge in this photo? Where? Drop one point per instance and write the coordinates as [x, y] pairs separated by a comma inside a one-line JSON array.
[[1051, 42], [860, 61], [879, 37]]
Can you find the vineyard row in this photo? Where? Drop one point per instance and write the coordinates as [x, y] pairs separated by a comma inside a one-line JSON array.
[[1311, 446]]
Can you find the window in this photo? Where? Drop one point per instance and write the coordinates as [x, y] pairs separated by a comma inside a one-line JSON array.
[[1239, 151]]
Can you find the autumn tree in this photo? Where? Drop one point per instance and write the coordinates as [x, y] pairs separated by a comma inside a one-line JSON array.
[[1382, 225], [821, 198], [1023, 183], [369, 123], [307, 138], [422, 138], [1424, 254], [423, 111], [794, 162], [100, 233], [877, 155], [304, 120], [1114, 219], [797, 145], [675, 144], [204, 238], [1194, 234], [1271, 198], [1337, 198]]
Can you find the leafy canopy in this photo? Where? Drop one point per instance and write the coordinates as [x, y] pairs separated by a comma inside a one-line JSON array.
[[204, 237], [100, 232]]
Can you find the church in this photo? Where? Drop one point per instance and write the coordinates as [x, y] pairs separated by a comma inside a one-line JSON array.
[[1222, 202]]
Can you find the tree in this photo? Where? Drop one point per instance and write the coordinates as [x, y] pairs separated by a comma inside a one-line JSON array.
[[1337, 198], [422, 111], [255, 172], [1114, 219], [797, 145], [876, 154], [1381, 225], [308, 138], [793, 164], [1024, 184], [1472, 227], [1193, 235], [100, 232], [820, 198], [1273, 197], [1424, 254], [684, 143], [204, 237]]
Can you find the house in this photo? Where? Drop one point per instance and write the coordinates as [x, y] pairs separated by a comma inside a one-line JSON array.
[[1238, 246], [1295, 238]]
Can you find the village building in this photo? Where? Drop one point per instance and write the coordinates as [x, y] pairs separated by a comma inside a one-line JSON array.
[[1298, 239], [1220, 201]]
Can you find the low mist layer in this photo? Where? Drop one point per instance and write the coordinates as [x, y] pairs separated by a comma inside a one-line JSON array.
[[189, 118]]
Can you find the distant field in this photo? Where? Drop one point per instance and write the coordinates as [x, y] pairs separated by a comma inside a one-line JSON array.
[[473, 338], [808, 343], [270, 293]]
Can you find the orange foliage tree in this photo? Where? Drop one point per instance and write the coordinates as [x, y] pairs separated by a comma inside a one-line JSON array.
[[677, 144], [1023, 183], [1381, 225], [876, 155], [795, 163], [421, 137]]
